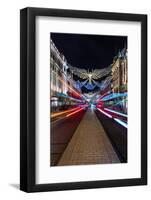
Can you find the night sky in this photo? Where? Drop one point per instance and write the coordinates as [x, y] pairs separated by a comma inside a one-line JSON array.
[[89, 51]]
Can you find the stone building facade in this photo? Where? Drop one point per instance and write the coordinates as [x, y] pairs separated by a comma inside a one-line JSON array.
[[120, 72], [62, 85]]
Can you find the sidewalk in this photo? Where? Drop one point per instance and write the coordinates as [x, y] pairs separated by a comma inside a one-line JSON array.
[[89, 144]]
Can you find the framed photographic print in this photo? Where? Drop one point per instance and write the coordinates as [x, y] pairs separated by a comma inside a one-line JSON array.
[[83, 99]]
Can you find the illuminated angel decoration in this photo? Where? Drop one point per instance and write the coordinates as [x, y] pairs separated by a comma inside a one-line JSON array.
[[90, 75]]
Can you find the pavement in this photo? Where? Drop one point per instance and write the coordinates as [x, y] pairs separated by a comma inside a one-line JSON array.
[[89, 144]]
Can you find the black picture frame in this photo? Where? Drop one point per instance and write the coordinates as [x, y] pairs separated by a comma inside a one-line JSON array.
[[28, 98]]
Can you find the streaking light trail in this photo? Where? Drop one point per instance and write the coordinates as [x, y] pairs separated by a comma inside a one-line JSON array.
[[118, 113], [67, 85], [113, 96], [121, 122], [108, 115], [63, 112], [75, 112]]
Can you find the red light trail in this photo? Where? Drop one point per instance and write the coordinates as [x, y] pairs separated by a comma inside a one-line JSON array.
[[75, 112], [63, 112], [67, 85]]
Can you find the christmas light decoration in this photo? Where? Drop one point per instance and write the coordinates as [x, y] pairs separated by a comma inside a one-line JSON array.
[[90, 75]]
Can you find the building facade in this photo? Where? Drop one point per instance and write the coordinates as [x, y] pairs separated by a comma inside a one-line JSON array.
[[63, 92], [120, 72], [120, 80]]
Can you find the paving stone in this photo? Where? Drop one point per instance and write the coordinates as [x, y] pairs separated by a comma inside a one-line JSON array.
[[89, 144]]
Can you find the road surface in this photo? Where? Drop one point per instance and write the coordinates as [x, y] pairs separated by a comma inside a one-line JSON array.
[[89, 144]]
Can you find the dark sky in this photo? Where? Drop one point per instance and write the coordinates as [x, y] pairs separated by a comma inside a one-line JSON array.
[[88, 51]]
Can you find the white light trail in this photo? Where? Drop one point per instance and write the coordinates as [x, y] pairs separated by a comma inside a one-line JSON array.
[[117, 120], [108, 115], [121, 122], [113, 111]]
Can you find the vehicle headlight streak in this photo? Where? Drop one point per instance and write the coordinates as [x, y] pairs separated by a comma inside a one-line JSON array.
[[117, 120], [63, 112], [75, 112], [114, 96], [118, 113], [121, 122], [108, 115]]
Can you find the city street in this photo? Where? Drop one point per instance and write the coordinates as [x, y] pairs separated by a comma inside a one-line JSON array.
[[81, 138], [88, 99], [89, 144]]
